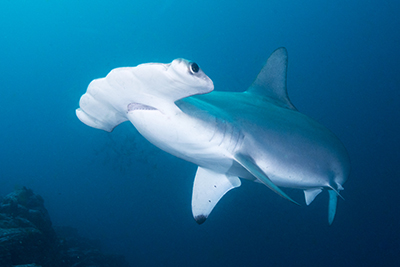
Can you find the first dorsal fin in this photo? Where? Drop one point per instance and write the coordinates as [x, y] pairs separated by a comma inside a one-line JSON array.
[[271, 81]]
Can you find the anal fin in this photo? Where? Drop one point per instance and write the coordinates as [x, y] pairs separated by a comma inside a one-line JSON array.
[[310, 194], [209, 187]]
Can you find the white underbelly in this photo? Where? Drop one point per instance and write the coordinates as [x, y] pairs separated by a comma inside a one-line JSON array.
[[183, 137]]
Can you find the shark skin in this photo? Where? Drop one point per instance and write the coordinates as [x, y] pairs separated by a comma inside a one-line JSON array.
[[257, 134]]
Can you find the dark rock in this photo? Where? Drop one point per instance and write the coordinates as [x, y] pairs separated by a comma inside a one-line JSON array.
[[26, 235], [27, 265], [27, 238], [78, 251]]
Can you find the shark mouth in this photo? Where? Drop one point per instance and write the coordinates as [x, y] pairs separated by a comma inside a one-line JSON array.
[[138, 106]]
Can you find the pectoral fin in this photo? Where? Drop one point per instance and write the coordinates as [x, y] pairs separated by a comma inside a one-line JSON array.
[[249, 164], [209, 187]]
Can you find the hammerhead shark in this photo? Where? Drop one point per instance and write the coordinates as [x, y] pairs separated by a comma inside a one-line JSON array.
[[257, 134]]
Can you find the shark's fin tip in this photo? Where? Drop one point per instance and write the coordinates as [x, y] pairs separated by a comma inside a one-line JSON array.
[[200, 219], [208, 188]]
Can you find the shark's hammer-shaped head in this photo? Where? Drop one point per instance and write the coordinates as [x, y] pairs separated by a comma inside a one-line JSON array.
[[146, 86], [171, 82]]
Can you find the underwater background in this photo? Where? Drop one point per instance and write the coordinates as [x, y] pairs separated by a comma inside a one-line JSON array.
[[117, 188]]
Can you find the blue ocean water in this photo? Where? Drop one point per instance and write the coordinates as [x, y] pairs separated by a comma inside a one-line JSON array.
[[116, 187]]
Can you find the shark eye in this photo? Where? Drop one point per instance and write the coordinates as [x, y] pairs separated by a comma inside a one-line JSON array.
[[193, 68]]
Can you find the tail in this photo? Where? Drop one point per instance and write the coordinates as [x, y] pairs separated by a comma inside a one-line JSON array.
[[333, 194]]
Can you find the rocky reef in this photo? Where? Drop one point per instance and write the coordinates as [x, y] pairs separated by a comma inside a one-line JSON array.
[[27, 237]]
